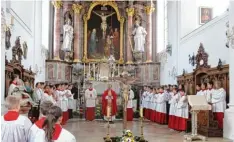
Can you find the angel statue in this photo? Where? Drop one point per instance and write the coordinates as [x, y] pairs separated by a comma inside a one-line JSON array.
[[104, 23], [25, 49], [230, 36], [139, 37], [67, 37]]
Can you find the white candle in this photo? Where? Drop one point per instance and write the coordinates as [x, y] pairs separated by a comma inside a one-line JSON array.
[[118, 69], [84, 70], [141, 112], [89, 69], [108, 111]]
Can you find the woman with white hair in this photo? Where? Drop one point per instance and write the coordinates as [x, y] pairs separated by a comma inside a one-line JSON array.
[[14, 127]]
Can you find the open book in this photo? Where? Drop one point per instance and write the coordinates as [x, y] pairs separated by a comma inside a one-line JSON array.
[[198, 102]]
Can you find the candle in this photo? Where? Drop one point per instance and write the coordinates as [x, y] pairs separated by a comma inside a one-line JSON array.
[[89, 70], [84, 70], [108, 111], [141, 112], [118, 69]]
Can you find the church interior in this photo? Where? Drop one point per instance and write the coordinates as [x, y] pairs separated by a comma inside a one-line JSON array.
[[119, 71]]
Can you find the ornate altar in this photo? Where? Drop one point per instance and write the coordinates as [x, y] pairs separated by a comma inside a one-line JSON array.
[[207, 126]]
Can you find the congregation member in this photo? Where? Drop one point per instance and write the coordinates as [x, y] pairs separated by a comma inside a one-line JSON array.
[[14, 127], [173, 107], [182, 113], [218, 100], [130, 105], [209, 91], [90, 99], [47, 95], [70, 101], [36, 133], [161, 110], [53, 131]]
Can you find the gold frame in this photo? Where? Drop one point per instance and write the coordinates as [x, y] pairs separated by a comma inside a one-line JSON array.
[[86, 17]]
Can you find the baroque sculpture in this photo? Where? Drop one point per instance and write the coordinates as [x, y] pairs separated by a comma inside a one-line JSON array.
[[25, 48], [17, 52], [8, 38], [139, 37]]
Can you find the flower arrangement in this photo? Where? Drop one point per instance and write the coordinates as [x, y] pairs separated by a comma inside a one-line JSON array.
[[128, 136]]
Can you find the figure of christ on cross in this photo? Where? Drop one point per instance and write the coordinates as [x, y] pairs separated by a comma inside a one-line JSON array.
[[109, 99], [104, 23]]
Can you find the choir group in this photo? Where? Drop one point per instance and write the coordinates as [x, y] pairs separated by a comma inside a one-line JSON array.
[[169, 104], [56, 104]]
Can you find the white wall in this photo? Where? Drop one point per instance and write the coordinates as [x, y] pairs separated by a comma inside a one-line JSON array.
[[213, 37], [190, 12], [27, 24]]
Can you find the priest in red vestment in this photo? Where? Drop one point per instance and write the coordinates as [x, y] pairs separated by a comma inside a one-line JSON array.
[[109, 98]]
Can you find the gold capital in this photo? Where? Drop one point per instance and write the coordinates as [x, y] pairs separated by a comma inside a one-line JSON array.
[[57, 4], [149, 9], [76, 8], [130, 11]]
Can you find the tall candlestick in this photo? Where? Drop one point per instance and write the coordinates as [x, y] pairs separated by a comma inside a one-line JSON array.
[[94, 72], [118, 69], [108, 111], [141, 112], [84, 70], [89, 69]]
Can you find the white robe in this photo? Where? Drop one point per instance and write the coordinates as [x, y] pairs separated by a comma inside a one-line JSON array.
[[71, 100], [46, 97], [15, 131], [161, 103], [173, 104], [36, 134], [154, 101], [199, 92], [209, 94], [11, 88], [147, 100], [90, 98], [62, 101], [182, 107], [218, 100], [143, 99], [130, 98]]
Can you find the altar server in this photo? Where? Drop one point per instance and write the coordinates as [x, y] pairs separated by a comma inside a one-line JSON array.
[[14, 80], [53, 130], [153, 104], [209, 91], [148, 101], [198, 89], [218, 100], [173, 107], [182, 110], [14, 127], [36, 133], [60, 94], [90, 98], [130, 105], [161, 107], [70, 101], [143, 99], [47, 95]]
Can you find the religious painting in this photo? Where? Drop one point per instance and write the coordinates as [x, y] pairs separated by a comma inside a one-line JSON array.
[[206, 14], [103, 32]]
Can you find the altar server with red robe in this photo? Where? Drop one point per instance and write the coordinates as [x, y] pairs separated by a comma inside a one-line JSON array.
[[182, 110], [161, 109], [153, 105], [36, 133], [14, 127], [198, 89], [143, 100], [47, 95], [130, 105], [173, 107], [109, 98], [53, 130], [148, 103], [71, 101], [218, 100], [90, 98]]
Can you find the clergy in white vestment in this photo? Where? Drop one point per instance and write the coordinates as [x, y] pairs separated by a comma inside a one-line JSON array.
[[71, 101], [173, 107], [53, 131], [14, 127], [182, 113], [161, 110], [36, 132], [90, 99], [47, 95], [130, 105], [218, 100]]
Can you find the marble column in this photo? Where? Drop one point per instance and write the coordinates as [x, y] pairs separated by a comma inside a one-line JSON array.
[[57, 24], [77, 9], [228, 128], [130, 12], [149, 9]]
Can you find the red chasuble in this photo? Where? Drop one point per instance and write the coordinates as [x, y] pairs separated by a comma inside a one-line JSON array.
[[105, 103]]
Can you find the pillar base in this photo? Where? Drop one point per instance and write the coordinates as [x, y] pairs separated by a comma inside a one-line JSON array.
[[57, 58], [129, 62], [148, 61], [228, 125], [77, 61]]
